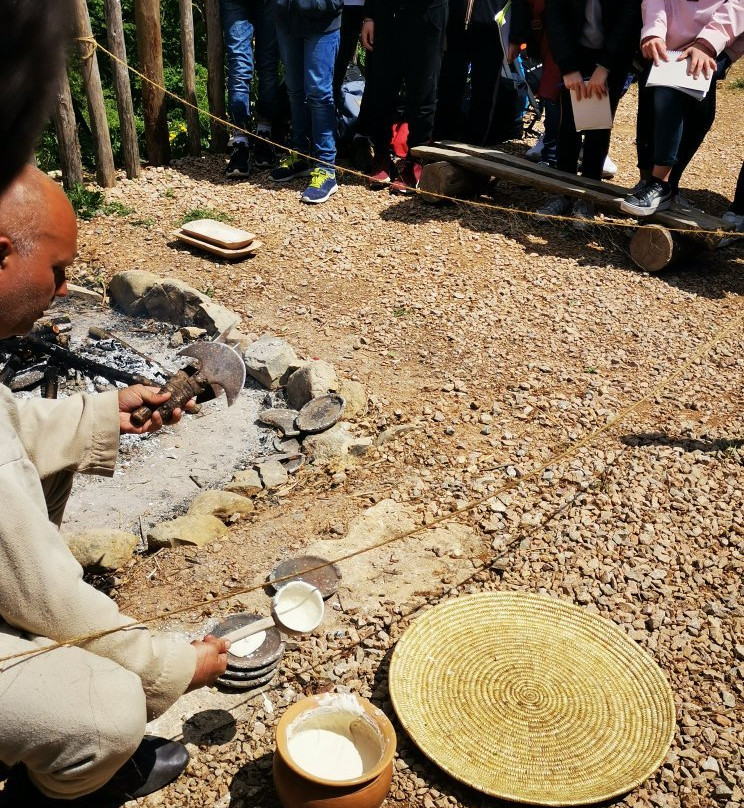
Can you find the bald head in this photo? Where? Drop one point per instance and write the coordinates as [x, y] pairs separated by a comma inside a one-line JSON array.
[[38, 236]]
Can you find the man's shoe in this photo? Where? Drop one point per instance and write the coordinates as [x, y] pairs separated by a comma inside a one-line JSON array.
[[681, 203], [653, 196], [264, 154], [558, 205], [408, 178], [239, 164], [290, 166], [380, 174], [362, 153], [535, 153], [321, 188], [583, 213], [155, 763]]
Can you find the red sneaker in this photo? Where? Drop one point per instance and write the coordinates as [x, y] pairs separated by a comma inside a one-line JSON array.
[[379, 175], [408, 178]]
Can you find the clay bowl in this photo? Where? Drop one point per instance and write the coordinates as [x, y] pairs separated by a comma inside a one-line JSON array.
[[298, 788]]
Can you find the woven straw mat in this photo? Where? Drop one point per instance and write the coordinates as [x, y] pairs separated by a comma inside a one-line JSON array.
[[531, 699]]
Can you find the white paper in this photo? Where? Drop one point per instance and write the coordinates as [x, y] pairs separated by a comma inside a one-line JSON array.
[[592, 113], [674, 74]]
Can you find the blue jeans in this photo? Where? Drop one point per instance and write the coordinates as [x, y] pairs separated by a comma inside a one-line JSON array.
[[308, 74], [241, 20]]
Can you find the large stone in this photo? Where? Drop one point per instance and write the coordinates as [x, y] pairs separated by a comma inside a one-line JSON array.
[[192, 529], [385, 519], [273, 474], [246, 483], [315, 378], [335, 442], [270, 360], [127, 289], [222, 504], [355, 396], [169, 300], [102, 549]]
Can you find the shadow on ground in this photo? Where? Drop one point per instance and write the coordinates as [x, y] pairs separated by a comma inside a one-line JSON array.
[[710, 446]]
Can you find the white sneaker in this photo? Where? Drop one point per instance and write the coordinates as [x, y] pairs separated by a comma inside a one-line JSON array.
[[609, 169], [535, 153]]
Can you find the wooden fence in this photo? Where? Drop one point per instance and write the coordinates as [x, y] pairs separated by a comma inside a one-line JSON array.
[[150, 64]]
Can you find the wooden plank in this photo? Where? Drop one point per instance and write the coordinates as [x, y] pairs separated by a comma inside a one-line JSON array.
[[122, 89], [105, 171], [67, 137], [189, 75], [687, 221], [150, 51], [216, 76]]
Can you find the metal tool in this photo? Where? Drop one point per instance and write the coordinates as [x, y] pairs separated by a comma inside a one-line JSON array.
[[217, 368]]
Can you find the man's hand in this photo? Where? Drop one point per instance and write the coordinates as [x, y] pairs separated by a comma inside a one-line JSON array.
[[575, 83], [368, 35], [211, 661], [597, 84], [654, 49], [699, 61], [130, 398]]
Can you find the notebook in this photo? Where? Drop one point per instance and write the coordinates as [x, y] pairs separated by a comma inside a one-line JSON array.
[[674, 74], [592, 113]]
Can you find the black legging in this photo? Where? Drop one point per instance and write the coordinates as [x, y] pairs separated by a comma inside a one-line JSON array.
[[351, 26]]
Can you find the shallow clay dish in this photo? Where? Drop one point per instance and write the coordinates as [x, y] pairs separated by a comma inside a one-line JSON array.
[[268, 653], [248, 676], [325, 579], [247, 684], [320, 414], [219, 233]]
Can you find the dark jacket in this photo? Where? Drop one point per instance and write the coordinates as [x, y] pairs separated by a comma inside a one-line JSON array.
[[378, 8], [309, 17], [564, 20]]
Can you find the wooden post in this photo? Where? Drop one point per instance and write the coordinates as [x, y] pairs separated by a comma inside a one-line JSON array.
[[122, 87], [449, 180], [216, 77], [189, 75], [150, 51], [105, 171], [67, 137], [653, 247]]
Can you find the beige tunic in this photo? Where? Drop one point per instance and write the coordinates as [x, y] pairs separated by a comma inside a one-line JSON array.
[[42, 594]]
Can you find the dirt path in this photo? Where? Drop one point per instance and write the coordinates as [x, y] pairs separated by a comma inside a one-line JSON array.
[[504, 341]]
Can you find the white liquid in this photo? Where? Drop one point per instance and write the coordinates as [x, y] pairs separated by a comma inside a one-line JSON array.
[[299, 606], [326, 754], [246, 646]]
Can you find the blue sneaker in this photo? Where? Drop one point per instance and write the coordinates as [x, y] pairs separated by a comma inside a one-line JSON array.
[[322, 186], [290, 166]]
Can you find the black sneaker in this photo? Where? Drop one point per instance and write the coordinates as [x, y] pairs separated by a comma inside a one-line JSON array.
[[652, 196], [264, 154], [239, 164], [155, 763]]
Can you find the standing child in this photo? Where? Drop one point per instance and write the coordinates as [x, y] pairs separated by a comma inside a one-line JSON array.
[[701, 31], [308, 34], [593, 42]]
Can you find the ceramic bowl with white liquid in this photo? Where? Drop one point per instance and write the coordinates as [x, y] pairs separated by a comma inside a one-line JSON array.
[[334, 749]]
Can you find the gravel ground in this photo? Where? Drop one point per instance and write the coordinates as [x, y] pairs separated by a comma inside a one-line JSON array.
[[504, 341]]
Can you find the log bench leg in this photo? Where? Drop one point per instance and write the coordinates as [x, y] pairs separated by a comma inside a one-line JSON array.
[[449, 180], [653, 248]]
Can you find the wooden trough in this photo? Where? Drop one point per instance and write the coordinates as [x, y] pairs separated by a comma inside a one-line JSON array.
[[457, 170]]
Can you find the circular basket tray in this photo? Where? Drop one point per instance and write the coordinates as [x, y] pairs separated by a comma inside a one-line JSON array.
[[531, 699]]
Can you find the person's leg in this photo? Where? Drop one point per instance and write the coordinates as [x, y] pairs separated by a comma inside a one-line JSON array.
[[597, 141], [698, 120], [737, 206], [552, 114], [71, 717], [351, 27], [645, 126], [267, 69], [425, 25], [448, 119], [292, 51], [320, 56], [487, 59], [569, 140], [238, 35]]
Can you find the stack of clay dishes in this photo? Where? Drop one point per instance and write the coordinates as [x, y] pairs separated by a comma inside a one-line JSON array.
[[253, 661], [218, 238]]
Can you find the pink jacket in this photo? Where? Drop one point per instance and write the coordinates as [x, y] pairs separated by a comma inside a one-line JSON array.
[[681, 22]]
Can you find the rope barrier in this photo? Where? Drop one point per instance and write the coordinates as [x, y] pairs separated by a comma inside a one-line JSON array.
[[509, 485], [360, 175]]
